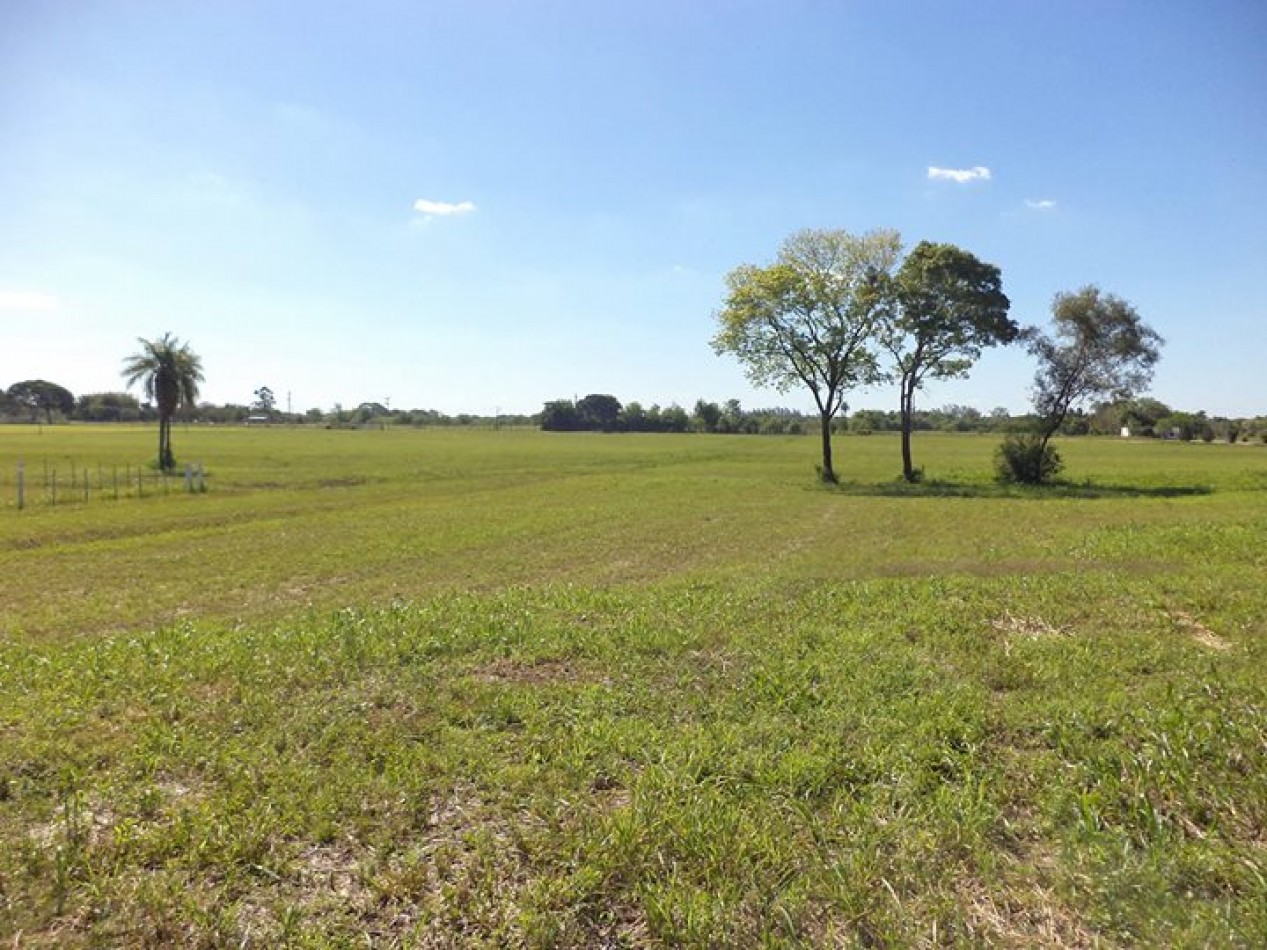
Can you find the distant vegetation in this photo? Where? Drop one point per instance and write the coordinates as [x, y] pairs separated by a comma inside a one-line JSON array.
[[1145, 417]]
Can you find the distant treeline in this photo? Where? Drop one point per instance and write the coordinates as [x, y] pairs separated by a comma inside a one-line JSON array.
[[34, 401], [38, 401], [1148, 418], [599, 412]]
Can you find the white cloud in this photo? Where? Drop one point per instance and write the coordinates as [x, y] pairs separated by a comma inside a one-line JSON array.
[[960, 176], [443, 208], [1040, 204], [27, 300]]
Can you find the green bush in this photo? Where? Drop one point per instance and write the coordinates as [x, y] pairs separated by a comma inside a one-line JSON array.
[[1025, 459]]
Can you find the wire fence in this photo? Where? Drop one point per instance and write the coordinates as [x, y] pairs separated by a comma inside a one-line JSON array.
[[47, 484]]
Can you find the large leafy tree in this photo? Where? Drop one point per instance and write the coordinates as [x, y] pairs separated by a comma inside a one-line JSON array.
[[39, 395], [1099, 348], [169, 372], [810, 319], [560, 415], [947, 306], [599, 411]]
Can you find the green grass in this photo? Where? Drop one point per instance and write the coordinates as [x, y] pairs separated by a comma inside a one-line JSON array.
[[508, 688]]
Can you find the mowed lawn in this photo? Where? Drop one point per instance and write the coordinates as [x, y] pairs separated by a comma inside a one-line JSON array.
[[453, 688]]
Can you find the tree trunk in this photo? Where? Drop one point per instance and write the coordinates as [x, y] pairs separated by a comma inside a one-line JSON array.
[[165, 460], [908, 468], [828, 474], [1050, 428]]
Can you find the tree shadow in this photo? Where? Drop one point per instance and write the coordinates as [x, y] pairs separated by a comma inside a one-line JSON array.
[[941, 488]]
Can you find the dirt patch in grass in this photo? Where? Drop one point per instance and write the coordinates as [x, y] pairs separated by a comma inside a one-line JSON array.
[[1199, 632], [1032, 627], [518, 671], [80, 824]]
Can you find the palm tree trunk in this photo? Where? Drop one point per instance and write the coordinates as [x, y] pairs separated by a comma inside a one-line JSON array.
[[164, 443]]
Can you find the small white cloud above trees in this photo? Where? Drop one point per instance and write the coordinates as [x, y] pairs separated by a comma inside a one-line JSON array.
[[443, 209], [960, 176], [1040, 204], [27, 300]]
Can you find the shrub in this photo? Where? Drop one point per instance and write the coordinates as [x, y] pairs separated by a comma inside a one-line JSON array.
[[1025, 459]]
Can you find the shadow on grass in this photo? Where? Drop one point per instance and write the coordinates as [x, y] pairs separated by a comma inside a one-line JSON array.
[[937, 488]]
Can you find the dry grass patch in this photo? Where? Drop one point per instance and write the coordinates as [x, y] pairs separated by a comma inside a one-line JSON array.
[[517, 671], [1032, 627], [1198, 631], [1033, 918]]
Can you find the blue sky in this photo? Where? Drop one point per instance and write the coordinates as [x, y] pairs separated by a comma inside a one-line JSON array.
[[473, 206]]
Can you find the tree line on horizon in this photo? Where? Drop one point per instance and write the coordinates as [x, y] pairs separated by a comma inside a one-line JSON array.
[[37, 401], [1143, 418]]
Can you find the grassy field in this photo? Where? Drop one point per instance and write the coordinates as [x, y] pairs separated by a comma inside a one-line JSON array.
[[432, 688]]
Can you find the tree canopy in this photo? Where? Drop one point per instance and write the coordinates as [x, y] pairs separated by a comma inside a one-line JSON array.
[[1099, 348], [810, 318], [946, 307], [599, 411], [39, 395], [265, 401]]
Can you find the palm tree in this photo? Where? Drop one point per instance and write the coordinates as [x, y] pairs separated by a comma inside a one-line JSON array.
[[171, 372]]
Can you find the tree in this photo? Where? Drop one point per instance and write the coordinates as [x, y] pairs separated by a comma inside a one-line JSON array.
[[1141, 415], [368, 412], [731, 416], [560, 416], [947, 306], [265, 401], [1099, 349], [673, 418], [707, 415], [810, 318], [107, 407], [39, 395], [633, 418], [871, 420], [599, 411], [169, 372]]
